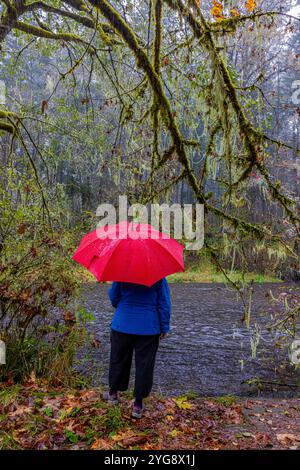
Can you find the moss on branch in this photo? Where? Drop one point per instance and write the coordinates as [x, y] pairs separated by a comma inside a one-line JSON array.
[[128, 35], [232, 23], [4, 126], [42, 33], [84, 20]]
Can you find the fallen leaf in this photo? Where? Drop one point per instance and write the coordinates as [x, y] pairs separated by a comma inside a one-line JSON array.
[[183, 403], [129, 438], [287, 439], [101, 444], [133, 441], [169, 417], [247, 434], [21, 228]]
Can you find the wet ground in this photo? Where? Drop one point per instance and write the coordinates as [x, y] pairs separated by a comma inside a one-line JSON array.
[[209, 349]]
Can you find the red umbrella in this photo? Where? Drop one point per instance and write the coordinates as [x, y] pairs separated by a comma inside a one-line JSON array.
[[130, 252]]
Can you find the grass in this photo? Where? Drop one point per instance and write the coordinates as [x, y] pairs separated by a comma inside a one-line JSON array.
[[226, 400], [71, 436], [48, 411], [7, 442], [204, 271], [113, 419], [9, 395], [32, 428]]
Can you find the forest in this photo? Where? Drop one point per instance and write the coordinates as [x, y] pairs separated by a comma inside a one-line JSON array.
[[167, 102]]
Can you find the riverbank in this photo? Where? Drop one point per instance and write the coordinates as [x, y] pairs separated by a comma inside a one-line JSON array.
[[36, 416], [209, 350]]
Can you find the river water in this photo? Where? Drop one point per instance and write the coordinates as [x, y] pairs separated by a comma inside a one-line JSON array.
[[209, 349]]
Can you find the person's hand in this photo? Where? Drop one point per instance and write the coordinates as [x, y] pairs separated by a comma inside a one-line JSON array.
[[162, 335]]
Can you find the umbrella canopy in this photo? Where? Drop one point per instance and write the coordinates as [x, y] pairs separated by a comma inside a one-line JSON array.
[[130, 252]]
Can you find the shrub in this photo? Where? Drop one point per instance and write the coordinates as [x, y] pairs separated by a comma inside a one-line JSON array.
[[37, 280]]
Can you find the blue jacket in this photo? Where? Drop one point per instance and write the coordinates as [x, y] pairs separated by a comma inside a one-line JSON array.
[[141, 310]]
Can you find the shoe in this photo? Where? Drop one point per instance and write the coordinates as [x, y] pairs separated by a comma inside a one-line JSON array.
[[111, 398], [137, 411]]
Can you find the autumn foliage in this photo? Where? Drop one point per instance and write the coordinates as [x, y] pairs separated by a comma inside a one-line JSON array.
[[217, 10]]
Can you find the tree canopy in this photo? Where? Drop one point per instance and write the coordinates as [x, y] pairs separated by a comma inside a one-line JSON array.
[[157, 92]]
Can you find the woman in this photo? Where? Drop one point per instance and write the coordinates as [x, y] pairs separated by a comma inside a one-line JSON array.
[[142, 317]]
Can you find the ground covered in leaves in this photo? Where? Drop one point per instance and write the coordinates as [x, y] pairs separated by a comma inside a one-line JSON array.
[[36, 416]]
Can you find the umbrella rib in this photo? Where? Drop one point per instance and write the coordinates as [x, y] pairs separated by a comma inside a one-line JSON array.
[[170, 250], [170, 253], [108, 259]]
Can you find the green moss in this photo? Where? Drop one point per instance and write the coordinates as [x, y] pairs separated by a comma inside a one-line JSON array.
[[42, 33], [226, 400], [4, 126]]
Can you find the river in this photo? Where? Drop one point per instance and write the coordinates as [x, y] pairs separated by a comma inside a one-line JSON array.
[[209, 349]]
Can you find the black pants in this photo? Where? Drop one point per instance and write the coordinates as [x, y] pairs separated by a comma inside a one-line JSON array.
[[122, 347]]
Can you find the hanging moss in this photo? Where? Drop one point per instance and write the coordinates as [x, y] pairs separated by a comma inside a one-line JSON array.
[[251, 138], [157, 20], [230, 113], [122, 28]]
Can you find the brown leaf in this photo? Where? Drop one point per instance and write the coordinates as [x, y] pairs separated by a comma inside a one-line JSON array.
[[22, 409], [69, 317], [33, 252], [262, 438], [101, 444], [133, 441], [44, 106], [22, 228], [88, 394], [24, 295], [288, 439], [233, 416], [129, 438]]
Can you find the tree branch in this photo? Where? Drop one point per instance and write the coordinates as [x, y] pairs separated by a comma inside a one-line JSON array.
[[7, 127], [122, 28], [42, 33], [234, 22]]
